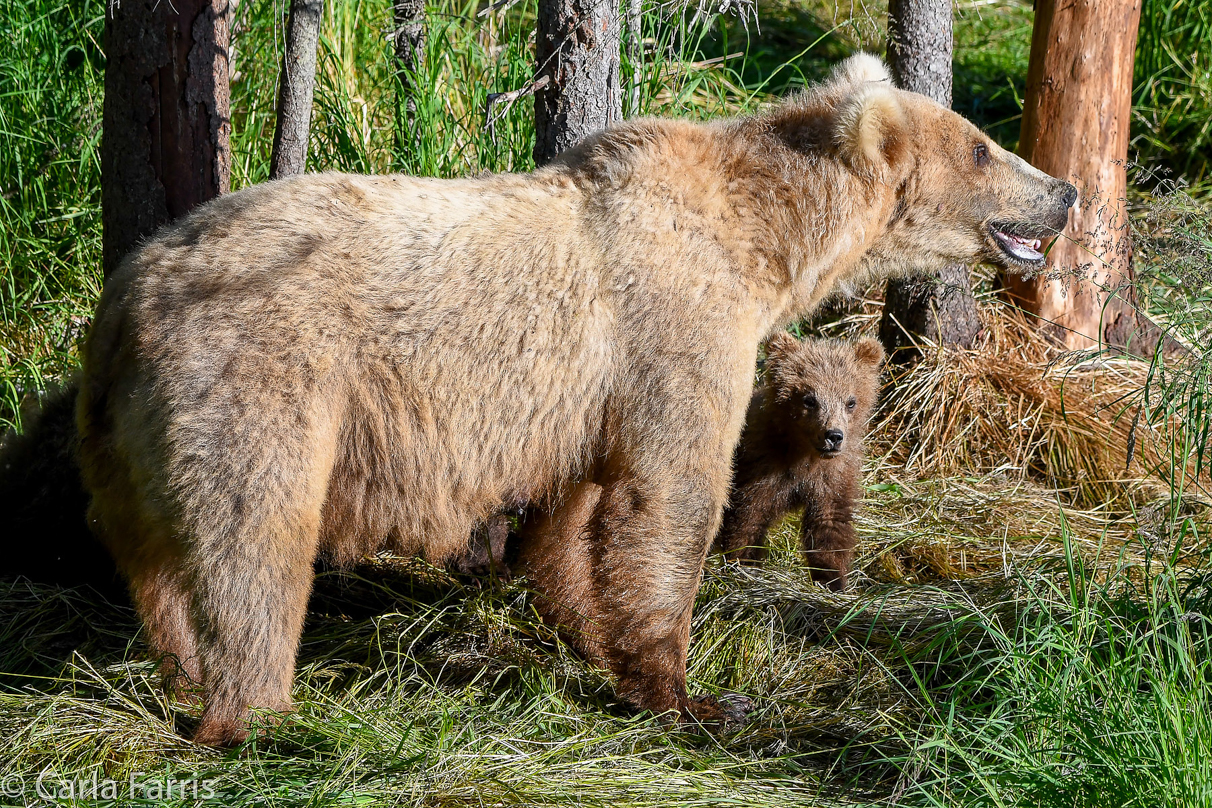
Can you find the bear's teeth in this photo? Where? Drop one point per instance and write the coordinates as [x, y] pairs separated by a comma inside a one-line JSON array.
[[1025, 249]]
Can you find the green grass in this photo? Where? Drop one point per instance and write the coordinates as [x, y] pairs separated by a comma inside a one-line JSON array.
[[966, 686], [50, 214], [1172, 114], [1001, 649], [1096, 694]]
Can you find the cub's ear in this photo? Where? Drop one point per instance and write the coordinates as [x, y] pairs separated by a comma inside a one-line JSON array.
[[870, 129], [780, 346], [869, 352]]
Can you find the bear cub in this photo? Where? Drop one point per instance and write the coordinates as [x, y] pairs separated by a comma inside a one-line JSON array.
[[802, 447]]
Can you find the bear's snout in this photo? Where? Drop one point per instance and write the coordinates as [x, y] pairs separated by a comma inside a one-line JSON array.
[[1019, 236], [833, 441], [1070, 194]]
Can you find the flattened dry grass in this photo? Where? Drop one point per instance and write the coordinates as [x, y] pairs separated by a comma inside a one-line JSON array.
[[1080, 423], [415, 687]]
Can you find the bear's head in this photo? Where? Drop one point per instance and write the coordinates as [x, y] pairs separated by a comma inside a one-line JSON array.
[[824, 391], [955, 195]]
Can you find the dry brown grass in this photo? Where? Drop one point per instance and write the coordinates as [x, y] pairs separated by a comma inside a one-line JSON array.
[[1079, 424], [1013, 453]]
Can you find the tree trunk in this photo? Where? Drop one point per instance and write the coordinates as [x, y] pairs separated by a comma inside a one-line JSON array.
[[578, 50], [1075, 125], [295, 88], [165, 145], [410, 57], [941, 308]]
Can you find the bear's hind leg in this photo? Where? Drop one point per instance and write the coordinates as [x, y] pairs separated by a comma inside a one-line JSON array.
[[153, 564], [162, 598], [251, 599]]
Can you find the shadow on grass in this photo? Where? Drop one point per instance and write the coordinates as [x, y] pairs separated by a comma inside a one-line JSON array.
[[401, 644]]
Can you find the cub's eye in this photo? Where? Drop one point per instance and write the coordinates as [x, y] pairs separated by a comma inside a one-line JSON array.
[[810, 402], [980, 153], [851, 404]]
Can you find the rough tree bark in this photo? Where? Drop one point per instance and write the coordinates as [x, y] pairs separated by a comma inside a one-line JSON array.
[[409, 38], [295, 88], [939, 309], [165, 144], [1076, 117], [577, 48]]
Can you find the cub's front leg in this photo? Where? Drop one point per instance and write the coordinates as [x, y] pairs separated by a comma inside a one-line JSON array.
[[827, 538], [752, 510]]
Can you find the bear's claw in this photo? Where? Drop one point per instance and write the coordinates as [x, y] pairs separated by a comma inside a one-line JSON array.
[[727, 711]]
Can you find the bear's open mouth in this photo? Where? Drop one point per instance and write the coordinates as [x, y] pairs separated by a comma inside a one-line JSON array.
[[1021, 244]]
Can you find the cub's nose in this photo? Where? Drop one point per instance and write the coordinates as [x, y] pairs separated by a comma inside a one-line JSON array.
[[833, 440]]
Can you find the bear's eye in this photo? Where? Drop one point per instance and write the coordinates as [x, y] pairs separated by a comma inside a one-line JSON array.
[[980, 153], [810, 402], [851, 404]]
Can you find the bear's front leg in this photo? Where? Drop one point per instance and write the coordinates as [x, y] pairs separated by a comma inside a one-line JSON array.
[[649, 538]]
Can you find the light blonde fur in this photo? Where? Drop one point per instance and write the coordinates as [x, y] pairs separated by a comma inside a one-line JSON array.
[[871, 130], [334, 364]]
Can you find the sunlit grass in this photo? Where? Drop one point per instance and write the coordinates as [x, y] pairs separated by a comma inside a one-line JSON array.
[[1029, 626]]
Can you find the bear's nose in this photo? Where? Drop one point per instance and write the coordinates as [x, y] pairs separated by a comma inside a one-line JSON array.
[[833, 440], [1070, 196]]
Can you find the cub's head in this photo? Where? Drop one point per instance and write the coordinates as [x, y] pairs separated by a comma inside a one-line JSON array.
[[824, 390], [952, 194]]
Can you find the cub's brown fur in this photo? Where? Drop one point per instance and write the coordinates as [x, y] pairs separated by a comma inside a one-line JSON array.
[[803, 448], [486, 550], [333, 364]]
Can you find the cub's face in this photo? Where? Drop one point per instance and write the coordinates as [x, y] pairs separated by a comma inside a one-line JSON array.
[[824, 390]]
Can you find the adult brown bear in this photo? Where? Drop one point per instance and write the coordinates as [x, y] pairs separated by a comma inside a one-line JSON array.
[[335, 364]]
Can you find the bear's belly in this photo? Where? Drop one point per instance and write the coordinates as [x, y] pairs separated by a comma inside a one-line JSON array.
[[446, 443]]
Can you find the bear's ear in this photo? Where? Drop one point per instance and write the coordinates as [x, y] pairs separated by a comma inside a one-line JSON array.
[[859, 69], [870, 129], [869, 352], [780, 346]]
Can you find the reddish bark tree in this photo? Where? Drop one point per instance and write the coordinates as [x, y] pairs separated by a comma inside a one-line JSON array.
[[1075, 125], [165, 144]]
